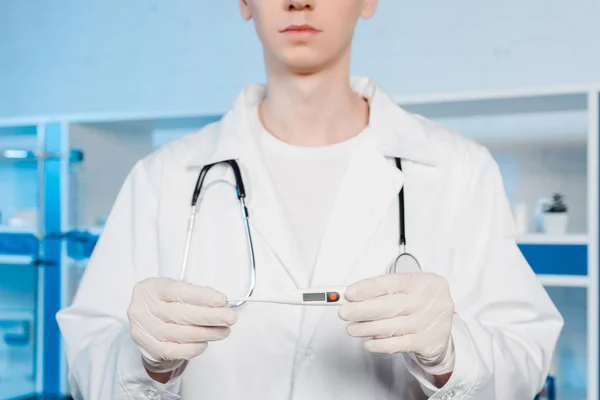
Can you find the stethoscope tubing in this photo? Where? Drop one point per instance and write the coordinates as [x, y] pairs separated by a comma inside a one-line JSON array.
[[241, 194]]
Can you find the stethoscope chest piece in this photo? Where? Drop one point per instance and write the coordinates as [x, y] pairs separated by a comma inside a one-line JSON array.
[[405, 263]]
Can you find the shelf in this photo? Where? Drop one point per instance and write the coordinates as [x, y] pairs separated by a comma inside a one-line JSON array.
[[14, 127], [18, 245], [95, 230], [18, 390], [23, 155], [81, 244], [535, 100], [146, 123], [542, 238], [537, 115], [17, 314], [564, 280], [568, 258], [18, 155], [567, 127], [18, 230], [7, 259]]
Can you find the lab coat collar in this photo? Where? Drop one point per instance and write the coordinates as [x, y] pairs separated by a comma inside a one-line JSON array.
[[397, 133]]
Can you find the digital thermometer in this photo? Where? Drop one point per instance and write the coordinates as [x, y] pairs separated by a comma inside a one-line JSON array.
[[303, 297]]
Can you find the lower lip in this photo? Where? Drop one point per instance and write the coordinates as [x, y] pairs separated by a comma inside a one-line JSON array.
[[301, 33]]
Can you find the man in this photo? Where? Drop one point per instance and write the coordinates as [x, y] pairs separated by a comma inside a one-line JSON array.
[[317, 154]]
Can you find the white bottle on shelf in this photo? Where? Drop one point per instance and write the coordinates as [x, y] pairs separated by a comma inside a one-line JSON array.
[[520, 216]]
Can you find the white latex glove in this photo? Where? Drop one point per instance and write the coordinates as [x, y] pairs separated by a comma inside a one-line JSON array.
[[173, 321], [404, 313]]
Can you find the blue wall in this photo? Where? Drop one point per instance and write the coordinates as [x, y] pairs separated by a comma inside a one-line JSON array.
[[194, 55]]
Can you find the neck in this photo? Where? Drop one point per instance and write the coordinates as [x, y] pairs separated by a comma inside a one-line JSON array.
[[315, 109]]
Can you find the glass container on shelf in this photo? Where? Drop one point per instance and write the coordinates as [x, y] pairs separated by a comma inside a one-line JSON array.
[[81, 236], [78, 238], [19, 249], [22, 177]]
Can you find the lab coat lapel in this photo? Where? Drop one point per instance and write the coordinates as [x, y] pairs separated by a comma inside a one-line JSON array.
[[268, 219], [367, 191]]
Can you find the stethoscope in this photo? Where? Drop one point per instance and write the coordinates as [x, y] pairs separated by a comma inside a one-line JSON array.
[[405, 262]]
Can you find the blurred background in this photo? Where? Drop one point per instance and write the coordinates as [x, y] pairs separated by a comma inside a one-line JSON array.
[[89, 87]]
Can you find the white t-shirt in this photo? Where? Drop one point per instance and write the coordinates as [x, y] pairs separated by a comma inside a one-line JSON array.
[[307, 182]]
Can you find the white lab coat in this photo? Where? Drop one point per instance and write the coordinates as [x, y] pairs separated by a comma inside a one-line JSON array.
[[458, 225]]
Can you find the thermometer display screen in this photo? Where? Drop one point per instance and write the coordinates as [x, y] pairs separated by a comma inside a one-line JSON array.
[[313, 297]]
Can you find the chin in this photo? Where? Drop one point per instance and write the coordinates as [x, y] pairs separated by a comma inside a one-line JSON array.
[[306, 62], [305, 69]]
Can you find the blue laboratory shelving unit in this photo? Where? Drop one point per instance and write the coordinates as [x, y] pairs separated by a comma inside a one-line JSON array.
[[567, 265], [535, 129]]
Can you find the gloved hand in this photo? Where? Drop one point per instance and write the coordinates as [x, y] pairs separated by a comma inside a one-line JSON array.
[[172, 321], [404, 313]]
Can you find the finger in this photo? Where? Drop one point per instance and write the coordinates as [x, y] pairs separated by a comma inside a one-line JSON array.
[[384, 328], [154, 349], [180, 351], [187, 314], [383, 307], [379, 286], [170, 290], [168, 332], [396, 344]]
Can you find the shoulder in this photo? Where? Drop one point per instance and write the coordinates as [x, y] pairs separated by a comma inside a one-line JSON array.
[[464, 167], [456, 152], [467, 173], [175, 156], [181, 151], [457, 148]]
